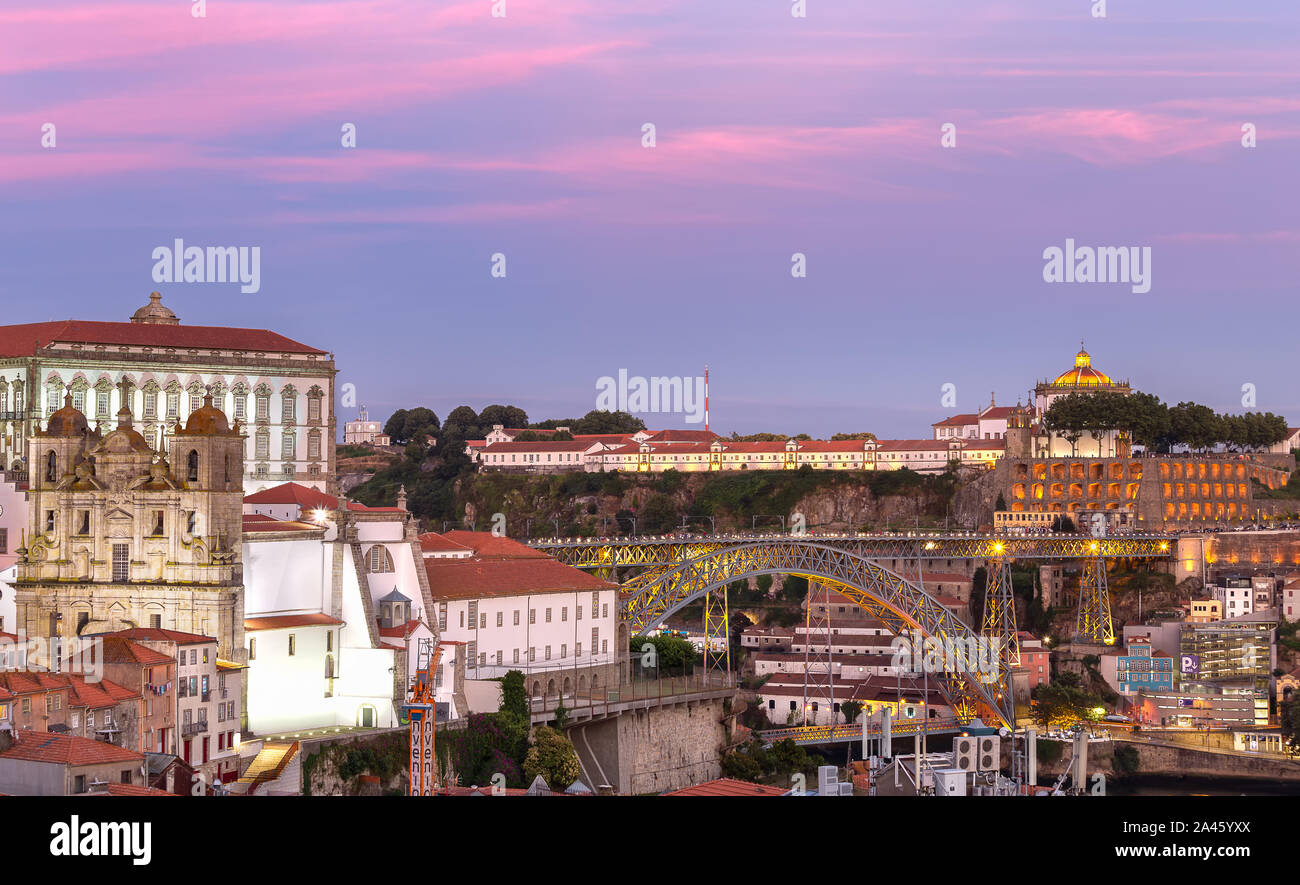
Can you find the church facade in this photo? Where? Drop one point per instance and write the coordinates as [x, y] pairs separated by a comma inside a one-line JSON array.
[[119, 536], [282, 391]]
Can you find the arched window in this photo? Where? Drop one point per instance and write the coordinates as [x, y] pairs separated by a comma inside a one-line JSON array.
[[380, 559], [52, 468], [192, 463]]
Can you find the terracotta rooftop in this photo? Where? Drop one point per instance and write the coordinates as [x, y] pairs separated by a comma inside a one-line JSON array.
[[121, 650], [66, 749], [476, 578], [728, 786], [23, 340], [293, 493], [487, 545], [257, 523], [432, 542], [158, 634], [281, 622]]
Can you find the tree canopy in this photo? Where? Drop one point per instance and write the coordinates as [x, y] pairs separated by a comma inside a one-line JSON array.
[[1158, 427]]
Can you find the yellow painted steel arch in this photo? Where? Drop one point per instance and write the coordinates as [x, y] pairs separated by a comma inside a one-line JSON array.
[[899, 604]]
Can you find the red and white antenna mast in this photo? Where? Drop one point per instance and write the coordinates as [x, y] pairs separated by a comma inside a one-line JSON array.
[[706, 398]]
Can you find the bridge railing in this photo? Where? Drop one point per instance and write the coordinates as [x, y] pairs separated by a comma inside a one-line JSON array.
[[834, 733], [634, 686]]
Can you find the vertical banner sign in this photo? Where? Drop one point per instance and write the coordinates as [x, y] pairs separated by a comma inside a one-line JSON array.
[[421, 752]]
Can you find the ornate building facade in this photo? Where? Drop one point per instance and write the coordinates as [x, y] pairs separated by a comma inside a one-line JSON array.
[[281, 390], [118, 536]]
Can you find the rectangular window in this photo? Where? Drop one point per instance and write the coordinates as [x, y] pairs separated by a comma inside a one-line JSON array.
[[498, 658], [472, 655], [151, 405], [121, 563], [79, 400], [196, 402], [577, 650], [101, 404], [473, 611], [293, 644], [604, 610], [564, 651], [289, 410], [595, 601], [532, 616], [313, 408], [595, 639], [241, 407], [501, 619], [173, 405], [252, 648], [548, 652], [263, 449], [516, 615], [4, 540], [288, 446], [442, 616], [578, 616], [532, 654], [564, 613], [313, 447], [548, 616], [516, 659], [263, 408]]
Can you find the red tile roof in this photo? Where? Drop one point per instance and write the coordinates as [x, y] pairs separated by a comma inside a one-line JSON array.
[[23, 340], [957, 420], [729, 786], [120, 650], [257, 523], [477, 578], [80, 692], [293, 493], [913, 445], [66, 749], [280, 622], [693, 436], [432, 542], [131, 790], [489, 546], [545, 445], [158, 634]]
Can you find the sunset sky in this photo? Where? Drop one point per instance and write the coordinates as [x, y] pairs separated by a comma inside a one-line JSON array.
[[775, 135]]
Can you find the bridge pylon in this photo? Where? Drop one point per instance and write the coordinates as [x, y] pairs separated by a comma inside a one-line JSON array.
[[1094, 623], [717, 631], [999, 622]]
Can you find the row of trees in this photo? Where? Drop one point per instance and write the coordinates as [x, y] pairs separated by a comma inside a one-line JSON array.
[[1159, 427]]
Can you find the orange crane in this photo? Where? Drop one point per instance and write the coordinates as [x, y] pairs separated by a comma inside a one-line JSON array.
[[420, 710]]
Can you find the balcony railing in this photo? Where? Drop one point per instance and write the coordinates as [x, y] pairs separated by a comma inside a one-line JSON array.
[[194, 728], [207, 695]]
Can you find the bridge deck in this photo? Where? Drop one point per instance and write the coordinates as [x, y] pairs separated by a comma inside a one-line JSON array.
[[836, 734], [658, 550]]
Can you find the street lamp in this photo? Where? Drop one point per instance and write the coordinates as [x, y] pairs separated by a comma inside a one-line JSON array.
[[754, 522], [713, 529]]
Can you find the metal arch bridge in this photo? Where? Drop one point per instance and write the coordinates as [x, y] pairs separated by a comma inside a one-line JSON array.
[[678, 571], [667, 549]]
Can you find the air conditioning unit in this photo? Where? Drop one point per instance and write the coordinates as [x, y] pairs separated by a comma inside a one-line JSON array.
[[964, 751], [827, 781], [990, 753], [846, 789]]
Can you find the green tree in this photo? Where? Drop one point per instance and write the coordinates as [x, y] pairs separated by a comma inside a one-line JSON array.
[[658, 515], [553, 757], [1001, 504], [506, 416], [514, 694], [395, 426], [602, 421], [851, 711], [741, 766]]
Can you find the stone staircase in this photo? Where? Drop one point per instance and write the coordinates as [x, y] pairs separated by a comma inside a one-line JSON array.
[[268, 765]]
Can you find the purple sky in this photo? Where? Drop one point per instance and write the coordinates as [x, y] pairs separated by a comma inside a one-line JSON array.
[[776, 135]]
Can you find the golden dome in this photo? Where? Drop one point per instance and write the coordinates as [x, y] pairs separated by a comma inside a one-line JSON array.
[[207, 421], [67, 421], [1083, 374]]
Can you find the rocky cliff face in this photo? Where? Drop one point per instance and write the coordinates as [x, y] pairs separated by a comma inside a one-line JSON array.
[[833, 503]]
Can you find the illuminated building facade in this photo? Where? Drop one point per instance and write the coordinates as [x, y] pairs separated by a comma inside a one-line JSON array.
[[281, 390]]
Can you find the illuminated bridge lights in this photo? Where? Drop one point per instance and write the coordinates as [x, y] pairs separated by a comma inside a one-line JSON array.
[[607, 552]]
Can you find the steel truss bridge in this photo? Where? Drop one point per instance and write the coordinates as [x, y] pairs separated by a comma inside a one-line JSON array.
[[676, 571]]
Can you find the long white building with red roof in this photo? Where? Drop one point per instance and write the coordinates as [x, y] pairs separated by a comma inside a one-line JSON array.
[[279, 390]]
